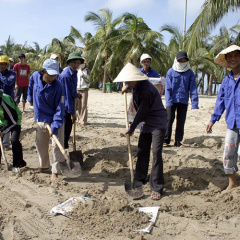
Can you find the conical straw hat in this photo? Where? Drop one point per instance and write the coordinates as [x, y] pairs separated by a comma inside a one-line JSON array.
[[130, 73], [220, 58]]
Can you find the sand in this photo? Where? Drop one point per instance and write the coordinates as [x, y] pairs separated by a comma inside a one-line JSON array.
[[192, 206]]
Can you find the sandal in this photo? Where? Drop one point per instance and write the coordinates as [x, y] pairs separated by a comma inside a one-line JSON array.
[[155, 196], [41, 170]]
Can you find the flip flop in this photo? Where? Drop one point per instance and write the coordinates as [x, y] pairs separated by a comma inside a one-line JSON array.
[[156, 196]]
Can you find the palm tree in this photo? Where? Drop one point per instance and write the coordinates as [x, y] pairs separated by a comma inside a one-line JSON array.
[[98, 47], [212, 12], [137, 38]]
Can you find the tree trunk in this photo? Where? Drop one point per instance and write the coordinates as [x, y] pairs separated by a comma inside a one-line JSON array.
[[210, 84], [203, 76], [104, 80]]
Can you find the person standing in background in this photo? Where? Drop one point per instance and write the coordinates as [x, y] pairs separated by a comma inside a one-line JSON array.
[[23, 75], [55, 57], [68, 77], [7, 83], [11, 63], [180, 83], [83, 77]]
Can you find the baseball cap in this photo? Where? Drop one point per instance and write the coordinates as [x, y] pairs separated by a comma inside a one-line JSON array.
[[11, 59], [22, 55], [54, 56], [51, 66], [182, 54], [145, 56]]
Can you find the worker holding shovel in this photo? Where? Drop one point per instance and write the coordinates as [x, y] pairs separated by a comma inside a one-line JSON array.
[[10, 120], [149, 110], [46, 93]]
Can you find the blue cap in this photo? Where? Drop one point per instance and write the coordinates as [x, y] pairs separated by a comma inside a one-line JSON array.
[[51, 66]]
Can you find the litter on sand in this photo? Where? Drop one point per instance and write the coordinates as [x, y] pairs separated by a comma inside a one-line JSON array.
[[68, 205], [151, 212]]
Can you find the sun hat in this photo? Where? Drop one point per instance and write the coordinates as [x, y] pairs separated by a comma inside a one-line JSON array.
[[181, 55], [145, 56], [51, 66], [11, 59], [220, 58], [22, 55], [130, 73], [54, 56], [75, 55], [4, 59]]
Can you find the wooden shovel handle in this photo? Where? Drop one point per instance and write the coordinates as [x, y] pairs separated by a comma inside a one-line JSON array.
[[59, 144], [74, 126], [3, 154], [128, 137]]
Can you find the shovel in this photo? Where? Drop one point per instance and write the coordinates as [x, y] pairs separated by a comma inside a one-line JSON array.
[[76, 156], [132, 188], [69, 168], [3, 154]]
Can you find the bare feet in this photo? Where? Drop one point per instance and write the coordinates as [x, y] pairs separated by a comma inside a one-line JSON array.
[[54, 176], [232, 183], [229, 188], [41, 170]]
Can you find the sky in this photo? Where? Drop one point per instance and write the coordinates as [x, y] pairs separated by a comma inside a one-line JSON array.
[[42, 20]]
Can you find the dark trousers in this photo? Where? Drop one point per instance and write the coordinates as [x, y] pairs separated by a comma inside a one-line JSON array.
[[67, 129], [16, 147], [181, 118], [155, 138]]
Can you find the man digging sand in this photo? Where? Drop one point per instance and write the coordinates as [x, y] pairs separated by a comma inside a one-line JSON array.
[[150, 111]]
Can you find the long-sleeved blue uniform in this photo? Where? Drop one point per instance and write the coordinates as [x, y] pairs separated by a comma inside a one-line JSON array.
[[48, 101], [69, 81], [228, 99], [178, 86], [151, 73], [7, 82]]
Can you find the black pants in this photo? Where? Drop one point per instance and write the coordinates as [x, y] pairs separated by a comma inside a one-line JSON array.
[[155, 138], [16, 147], [67, 129], [181, 118]]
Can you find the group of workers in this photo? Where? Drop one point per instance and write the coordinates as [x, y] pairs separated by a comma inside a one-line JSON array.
[[54, 96]]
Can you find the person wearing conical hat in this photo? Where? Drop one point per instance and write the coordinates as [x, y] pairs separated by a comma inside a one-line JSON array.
[[228, 99], [149, 110], [69, 79]]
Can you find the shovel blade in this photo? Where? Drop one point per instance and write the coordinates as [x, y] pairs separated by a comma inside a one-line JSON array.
[[73, 170], [77, 156], [134, 189]]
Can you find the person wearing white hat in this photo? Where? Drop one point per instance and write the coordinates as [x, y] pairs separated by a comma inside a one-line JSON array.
[[149, 110], [46, 93], [55, 57], [146, 61], [228, 99]]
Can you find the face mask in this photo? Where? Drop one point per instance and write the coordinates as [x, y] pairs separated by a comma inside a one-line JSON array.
[[82, 66]]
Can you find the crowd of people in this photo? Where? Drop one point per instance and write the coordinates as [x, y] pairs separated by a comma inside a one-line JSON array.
[[59, 98]]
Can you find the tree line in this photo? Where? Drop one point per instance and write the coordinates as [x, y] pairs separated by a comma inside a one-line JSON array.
[[123, 39]]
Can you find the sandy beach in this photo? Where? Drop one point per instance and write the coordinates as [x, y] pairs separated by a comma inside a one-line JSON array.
[[192, 206]]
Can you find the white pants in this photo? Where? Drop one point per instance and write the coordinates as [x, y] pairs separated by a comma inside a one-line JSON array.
[[42, 143]]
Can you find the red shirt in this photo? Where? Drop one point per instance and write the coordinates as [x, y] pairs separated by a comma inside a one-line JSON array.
[[22, 74]]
